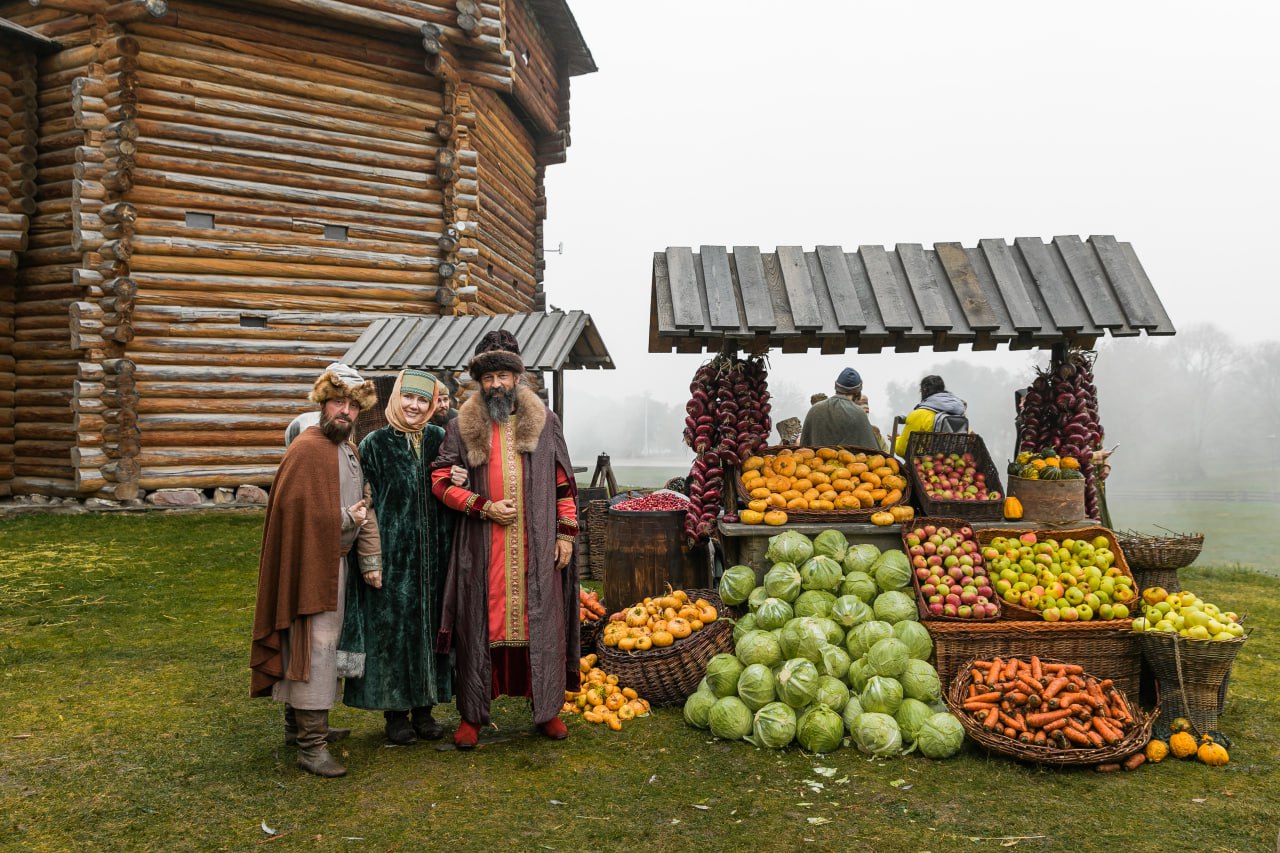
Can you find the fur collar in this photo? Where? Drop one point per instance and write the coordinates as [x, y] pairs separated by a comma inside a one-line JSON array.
[[475, 427]]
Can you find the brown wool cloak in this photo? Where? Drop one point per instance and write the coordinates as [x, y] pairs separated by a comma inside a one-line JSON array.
[[301, 550], [552, 594]]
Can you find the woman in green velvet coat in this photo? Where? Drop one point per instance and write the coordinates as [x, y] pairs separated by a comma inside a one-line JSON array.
[[394, 619]]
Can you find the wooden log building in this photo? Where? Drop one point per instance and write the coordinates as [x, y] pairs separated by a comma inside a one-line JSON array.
[[203, 202]]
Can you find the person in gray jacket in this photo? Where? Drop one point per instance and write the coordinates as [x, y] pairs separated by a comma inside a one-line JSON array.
[[839, 419]]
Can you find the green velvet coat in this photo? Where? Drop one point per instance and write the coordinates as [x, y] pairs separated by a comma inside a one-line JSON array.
[[396, 626]]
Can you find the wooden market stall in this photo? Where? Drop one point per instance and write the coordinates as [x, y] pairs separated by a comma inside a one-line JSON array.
[[1025, 294], [209, 200]]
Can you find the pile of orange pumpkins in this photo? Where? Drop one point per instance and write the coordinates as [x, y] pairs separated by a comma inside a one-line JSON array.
[[807, 479], [601, 699], [658, 622]]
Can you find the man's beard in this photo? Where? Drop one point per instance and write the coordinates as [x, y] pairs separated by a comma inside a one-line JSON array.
[[335, 431], [500, 403]]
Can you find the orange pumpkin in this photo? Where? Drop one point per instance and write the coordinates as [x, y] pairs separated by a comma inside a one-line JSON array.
[[1012, 508], [775, 517]]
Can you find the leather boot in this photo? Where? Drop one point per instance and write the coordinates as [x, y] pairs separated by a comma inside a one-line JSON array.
[[426, 726], [398, 729], [313, 751], [291, 729]]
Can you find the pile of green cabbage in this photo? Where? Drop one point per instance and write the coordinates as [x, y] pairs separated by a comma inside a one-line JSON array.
[[830, 652]]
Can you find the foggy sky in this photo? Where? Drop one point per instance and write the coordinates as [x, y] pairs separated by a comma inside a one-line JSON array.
[[745, 123]]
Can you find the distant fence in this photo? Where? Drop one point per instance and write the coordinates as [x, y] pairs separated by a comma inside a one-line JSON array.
[[1190, 495]]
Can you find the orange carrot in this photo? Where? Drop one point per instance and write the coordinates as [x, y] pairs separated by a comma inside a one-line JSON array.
[[1016, 698], [1011, 669], [997, 667], [978, 706], [1075, 736], [1109, 734], [1040, 739], [1039, 720], [995, 696], [993, 717], [1036, 670], [1133, 762], [1013, 722], [1054, 688], [1059, 723]]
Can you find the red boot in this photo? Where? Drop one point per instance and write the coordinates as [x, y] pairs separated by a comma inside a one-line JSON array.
[[554, 728], [466, 735]]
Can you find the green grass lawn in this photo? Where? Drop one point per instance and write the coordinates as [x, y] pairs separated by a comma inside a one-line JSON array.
[[126, 725]]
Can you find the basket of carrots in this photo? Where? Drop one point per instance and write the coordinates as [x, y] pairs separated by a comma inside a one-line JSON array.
[[591, 615], [1048, 712]]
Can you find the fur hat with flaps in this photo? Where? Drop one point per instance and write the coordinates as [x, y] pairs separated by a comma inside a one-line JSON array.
[[341, 380], [497, 350]]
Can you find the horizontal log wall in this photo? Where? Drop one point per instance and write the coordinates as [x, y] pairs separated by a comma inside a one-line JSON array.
[[277, 128], [507, 174], [537, 79], [38, 434], [18, 172]]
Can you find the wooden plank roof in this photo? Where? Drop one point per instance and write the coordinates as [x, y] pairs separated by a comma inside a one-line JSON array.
[[557, 340], [9, 31], [1026, 293]]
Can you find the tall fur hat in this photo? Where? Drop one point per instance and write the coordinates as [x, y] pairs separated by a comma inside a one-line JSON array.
[[497, 350], [341, 380]]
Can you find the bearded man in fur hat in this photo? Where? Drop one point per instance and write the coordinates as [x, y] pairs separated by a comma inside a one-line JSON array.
[[317, 510], [510, 608]]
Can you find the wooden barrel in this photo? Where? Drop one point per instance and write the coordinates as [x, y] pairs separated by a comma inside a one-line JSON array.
[[644, 551], [1052, 501]]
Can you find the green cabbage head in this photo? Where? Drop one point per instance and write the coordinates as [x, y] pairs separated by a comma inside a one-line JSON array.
[[730, 718], [736, 584], [877, 734], [774, 726]]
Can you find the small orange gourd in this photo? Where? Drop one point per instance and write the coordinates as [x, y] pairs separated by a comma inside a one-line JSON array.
[[1182, 745], [1012, 508], [1213, 754], [883, 518]]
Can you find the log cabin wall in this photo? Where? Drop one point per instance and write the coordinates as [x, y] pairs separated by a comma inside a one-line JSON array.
[[250, 184], [18, 171]]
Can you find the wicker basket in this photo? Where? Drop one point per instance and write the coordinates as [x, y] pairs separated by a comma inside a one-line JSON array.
[[1018, 613], [831, 516], [1167, 579], [1168, 553], [921, 604], [597, 517], [1102, 648], [1191, 675], [590, 632], [667, 676], [929, 443], [1134, 740]]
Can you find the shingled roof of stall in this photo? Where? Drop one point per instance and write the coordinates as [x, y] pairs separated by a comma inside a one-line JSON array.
[[556, 340], [1028, 294]]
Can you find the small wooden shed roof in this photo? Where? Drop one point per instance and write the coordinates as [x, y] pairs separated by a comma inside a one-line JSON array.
[[1028, 295], [556, 340], [9, 31]]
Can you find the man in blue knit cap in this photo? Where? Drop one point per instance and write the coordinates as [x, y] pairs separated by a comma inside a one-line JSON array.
[[839, 419]]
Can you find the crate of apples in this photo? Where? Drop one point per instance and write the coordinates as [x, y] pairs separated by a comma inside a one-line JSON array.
[[950, 572]]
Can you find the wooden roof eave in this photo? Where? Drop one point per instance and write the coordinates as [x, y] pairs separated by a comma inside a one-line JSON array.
[[1025, 294]]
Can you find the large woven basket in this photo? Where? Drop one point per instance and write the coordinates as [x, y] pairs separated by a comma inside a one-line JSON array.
[[1103, 648], [921, 605], [1168, 553], [597, 517], [1135, 739], [590, 631], [832, 516], [929, 443], [1018, 613], [1191, 675], [667, 676]]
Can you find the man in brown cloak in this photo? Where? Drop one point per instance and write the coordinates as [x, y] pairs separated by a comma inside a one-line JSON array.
[[510, 607], [316, 511]]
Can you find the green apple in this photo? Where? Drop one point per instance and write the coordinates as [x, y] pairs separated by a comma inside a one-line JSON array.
[[1140, 624], [1106, 611], [1093, 601], [1166, 626], [1085, 612], [1198, 632], [1120, 611], [1074, 595], [1051, 614], [1235, 629], [1101, 542]]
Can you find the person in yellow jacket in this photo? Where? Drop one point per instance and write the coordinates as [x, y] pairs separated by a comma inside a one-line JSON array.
[[935, 400]]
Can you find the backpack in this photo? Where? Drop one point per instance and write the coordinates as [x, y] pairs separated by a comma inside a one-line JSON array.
[[950, 423]]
